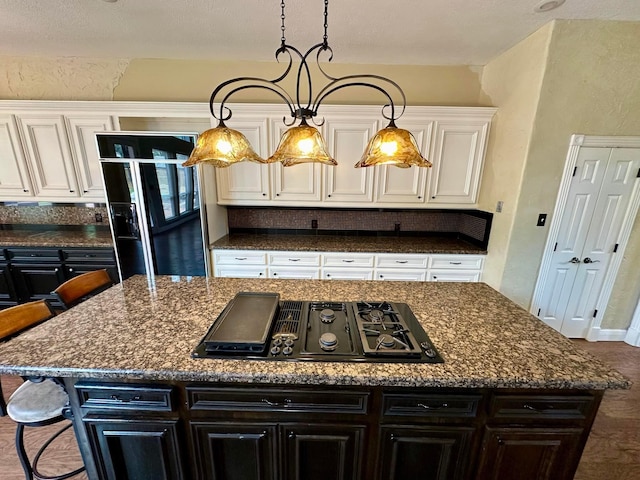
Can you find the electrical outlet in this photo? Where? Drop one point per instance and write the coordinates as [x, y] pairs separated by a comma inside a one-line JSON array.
[[98, 217], [499, 206], [396, 227], [314, 223], [542, 220]]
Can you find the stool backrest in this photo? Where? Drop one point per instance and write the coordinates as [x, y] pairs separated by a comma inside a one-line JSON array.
[[15, 319], [78, 288]]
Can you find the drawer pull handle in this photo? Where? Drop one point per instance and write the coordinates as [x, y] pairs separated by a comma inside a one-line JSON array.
[[240, 258], [455, 263], [348, 261], [115, 397], [433, 407], [294, 259], [532, 408], [402, 261], [276, 404]]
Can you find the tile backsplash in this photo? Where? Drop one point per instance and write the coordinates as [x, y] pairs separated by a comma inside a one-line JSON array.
[[471, 223], [45, 213]]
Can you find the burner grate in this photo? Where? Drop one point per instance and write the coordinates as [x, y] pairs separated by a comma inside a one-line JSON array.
[[288, 320]]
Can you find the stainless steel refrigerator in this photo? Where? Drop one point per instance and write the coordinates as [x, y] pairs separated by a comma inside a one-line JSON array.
[[156, 209]]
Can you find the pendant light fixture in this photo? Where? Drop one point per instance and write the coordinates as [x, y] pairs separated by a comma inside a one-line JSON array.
[[222, 146]]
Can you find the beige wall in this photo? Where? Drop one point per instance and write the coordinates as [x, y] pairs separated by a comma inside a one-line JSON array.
[[511, 82], [590, 87], [193, 81]]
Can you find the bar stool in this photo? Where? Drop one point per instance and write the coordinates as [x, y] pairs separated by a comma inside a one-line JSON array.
[[39, 401], [79, 288]]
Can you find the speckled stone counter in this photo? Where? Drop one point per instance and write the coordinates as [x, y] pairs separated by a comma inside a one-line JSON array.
[[139, 331], [89, 236], [336, 243]]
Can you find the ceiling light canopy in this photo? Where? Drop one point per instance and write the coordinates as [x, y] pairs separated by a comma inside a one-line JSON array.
[[222, 146]]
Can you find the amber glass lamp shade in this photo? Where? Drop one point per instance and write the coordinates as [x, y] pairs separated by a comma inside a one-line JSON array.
[[301, 144], [221, 147], [392, 146]]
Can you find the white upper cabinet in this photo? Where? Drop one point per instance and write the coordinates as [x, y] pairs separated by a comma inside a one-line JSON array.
[[14, 175], [298, 183], [244, 183], [347, 139], [48, 150], [457, 161], [82, 129], [406, 185], [51, 156]]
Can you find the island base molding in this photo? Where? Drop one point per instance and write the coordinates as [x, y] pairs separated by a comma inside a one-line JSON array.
[[198, 430]]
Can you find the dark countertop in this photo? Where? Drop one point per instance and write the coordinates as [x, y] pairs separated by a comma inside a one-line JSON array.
[[147, 331], [54, 236], [338, 243]]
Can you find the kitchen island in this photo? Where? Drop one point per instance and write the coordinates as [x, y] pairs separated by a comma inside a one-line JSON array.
[[511, 396]]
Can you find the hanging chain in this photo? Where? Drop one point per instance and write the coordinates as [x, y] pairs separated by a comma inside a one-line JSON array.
[[325, 38], [282, 39]]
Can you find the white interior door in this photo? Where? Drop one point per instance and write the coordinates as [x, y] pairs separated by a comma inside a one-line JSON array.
[[597, 202]]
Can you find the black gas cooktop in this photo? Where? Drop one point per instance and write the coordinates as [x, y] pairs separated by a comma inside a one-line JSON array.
[[258, 326]]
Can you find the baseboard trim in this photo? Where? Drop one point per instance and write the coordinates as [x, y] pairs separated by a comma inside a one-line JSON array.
[[633, 337], [598, 334]]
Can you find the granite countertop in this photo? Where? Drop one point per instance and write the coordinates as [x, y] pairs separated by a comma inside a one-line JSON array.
[[343, 243], [52, 236], [139, 330]]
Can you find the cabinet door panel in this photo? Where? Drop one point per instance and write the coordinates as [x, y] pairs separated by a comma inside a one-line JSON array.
[[137, 450], [457, 162], [319, 452], [346, 141], [82, 131], [14, 176], [529, 454], [8, 295], [37, 281], [48, 149], [437, 453], [246, 181], [235, 451]]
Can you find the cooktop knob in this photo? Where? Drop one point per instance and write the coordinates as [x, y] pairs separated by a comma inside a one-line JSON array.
[[277, 342], [288, 343], [275, 350], [287, 350]]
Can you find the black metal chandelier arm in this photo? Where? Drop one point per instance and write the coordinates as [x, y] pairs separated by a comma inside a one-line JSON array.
[[360, 81], [261, 84]]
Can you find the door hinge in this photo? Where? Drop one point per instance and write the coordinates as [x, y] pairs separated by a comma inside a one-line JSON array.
[[555, 246], [575, 169], [539, 310], [595, 313], [615, 249]]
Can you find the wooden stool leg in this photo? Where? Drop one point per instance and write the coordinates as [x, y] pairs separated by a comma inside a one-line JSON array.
[[22, 453]]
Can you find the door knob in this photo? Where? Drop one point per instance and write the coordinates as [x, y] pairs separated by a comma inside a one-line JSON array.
[[576, 260], [588, 260]]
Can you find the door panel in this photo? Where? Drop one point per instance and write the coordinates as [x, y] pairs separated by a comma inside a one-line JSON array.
[[597, 203]]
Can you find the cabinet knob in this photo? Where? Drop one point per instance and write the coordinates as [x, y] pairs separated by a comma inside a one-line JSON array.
[[329, 196], [260, 274], [433, 196], [419, 197], [71, 269], [381, 276], [72, 191], [25, 190], [277, 194], [56, 269], [85, 191], [264, 194]]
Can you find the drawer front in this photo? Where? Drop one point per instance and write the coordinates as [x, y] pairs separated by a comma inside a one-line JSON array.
[[300, 273], [241, 271], [291, 259], [125, 397], [427, 406], [555, 407], [347, 273], [402, 261], [105, 256], [239, 257], [267, 400], [34, 255], [462, 262], [444, 275], [402, 275], [348, 259]]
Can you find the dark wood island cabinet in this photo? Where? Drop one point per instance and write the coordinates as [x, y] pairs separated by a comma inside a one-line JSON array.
[[513, 399]]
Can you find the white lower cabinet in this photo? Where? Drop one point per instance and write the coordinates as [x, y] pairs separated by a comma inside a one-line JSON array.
[[413, 267]]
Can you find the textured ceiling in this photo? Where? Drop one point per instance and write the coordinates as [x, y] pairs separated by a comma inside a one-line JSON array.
[[421, 32]]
